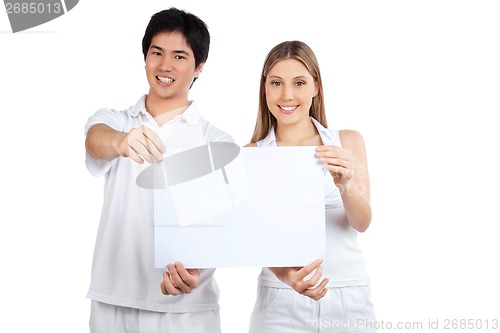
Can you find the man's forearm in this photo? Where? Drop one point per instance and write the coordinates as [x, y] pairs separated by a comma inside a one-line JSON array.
[[103, 142]]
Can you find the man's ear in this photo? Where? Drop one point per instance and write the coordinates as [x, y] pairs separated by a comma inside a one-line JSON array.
[[198, 70]]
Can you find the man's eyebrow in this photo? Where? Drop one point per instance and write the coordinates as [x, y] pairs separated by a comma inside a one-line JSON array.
[[159, 48], [180, 52], [156, 47]]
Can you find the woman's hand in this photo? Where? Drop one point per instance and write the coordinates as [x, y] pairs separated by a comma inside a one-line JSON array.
[[295, 278], [340, 162]]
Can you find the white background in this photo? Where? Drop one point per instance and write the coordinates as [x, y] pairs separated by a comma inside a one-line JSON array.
[[419, 79]]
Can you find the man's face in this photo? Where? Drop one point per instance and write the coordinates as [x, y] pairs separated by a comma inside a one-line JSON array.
[[170, 67]]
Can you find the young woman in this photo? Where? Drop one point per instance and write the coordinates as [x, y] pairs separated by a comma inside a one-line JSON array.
[[332, 293]]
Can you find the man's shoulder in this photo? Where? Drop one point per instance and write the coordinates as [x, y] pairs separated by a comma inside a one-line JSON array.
[[116, 118], [131, 110]]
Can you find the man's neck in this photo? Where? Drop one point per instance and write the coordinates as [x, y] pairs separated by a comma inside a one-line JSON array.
[[165, 109], [156, 106]]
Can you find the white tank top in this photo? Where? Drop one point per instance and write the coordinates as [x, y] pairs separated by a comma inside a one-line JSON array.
[[344, 264]]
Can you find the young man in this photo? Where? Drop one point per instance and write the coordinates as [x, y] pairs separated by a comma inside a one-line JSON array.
[[128, 294]]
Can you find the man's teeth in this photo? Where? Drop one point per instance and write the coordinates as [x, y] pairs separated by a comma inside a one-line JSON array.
[[288, 108], [165, 79]]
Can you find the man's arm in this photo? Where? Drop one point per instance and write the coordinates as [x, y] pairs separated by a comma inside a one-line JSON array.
[[140, 144]]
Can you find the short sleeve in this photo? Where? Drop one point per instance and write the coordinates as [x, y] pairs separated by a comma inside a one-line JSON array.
[[112, 119], [109, 117]]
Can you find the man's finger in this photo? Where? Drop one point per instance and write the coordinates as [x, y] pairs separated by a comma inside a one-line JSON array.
[[190, 279], [168, 286], [155, 144], [177, 280]]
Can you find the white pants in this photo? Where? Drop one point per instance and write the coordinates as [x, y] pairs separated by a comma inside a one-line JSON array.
[[107, 318], [347, 309]]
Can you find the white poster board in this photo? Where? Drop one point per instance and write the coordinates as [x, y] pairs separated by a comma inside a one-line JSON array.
[[269, 214]]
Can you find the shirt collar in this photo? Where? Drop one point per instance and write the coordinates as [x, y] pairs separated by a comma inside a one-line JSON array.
[[140, 106], [191, 114], [326, 136], [321, 129], [270, 139]]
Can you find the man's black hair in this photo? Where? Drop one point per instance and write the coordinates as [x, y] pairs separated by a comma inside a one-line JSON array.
[[195, 31]]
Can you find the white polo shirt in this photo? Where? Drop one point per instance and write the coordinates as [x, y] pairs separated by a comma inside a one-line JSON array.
[[123, 269]]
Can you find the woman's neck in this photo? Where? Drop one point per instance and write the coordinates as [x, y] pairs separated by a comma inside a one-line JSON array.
[[303, 133]]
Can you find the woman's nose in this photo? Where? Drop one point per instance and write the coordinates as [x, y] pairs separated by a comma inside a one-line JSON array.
[[287, 94]]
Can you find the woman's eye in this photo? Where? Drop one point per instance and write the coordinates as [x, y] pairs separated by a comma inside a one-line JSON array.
[[276, 83], [300, 83]]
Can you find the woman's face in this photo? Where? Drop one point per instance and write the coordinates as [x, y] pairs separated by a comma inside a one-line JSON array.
[[290, 89]]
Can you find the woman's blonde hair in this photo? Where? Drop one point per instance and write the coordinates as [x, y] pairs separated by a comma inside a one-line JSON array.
[[288, 50]]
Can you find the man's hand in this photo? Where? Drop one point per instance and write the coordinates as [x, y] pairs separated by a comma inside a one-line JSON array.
[[179, 280], [141, 144]]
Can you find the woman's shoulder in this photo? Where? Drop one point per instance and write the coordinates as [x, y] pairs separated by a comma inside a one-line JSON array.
[[350, 138], [350, 134]]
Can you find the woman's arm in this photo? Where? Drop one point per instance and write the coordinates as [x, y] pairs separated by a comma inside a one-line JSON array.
[[349, 169]]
